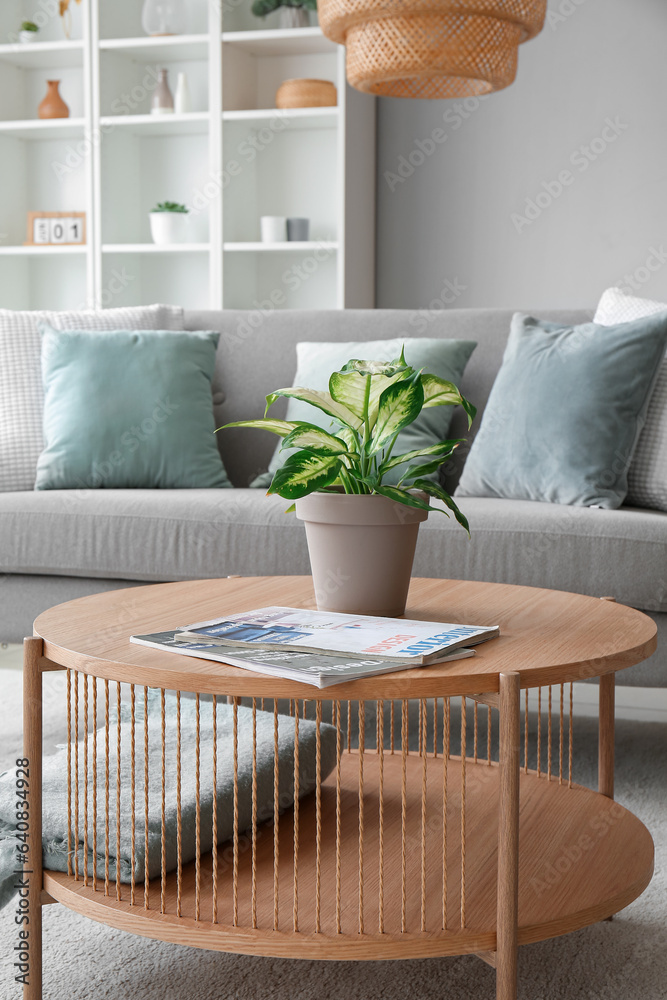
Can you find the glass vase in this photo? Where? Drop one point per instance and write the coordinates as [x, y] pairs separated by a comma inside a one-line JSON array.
[[163, 17]]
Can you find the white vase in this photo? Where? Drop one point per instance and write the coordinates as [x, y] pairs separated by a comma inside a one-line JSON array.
[[163, 17], [169, 227], [293, 17], [182, 98], [27, 37]]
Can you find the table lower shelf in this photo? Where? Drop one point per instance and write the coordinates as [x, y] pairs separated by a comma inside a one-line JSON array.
[[582, 858]]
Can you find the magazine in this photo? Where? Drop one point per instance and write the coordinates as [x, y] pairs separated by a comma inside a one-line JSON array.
[[320, 670], [393, 639]]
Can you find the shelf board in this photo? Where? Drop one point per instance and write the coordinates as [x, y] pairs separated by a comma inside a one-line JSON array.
[[165, 47], [155, 248], [295, 245], [281, 42], [41, 251], [37, 55], [615, 869], [193, 123], [47, 128], [299, 117]]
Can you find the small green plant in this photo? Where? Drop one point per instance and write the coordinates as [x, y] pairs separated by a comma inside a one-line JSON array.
[[29, 26], [261, 8], [171, 206], [370, 403]]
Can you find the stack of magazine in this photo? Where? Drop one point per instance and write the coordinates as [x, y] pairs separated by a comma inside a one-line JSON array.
[[320, 647]]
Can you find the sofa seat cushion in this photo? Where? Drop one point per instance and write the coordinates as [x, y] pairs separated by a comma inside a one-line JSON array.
[[149, 535], [155, 535], [617, 553]]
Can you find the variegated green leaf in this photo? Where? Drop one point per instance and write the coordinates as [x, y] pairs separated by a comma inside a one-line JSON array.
[[440, 392], [402, 496], [387, 368], [304, 473], [470, 410], [322, 400], [350, 437], [427, 469], [279, 427], [442, 448], [349, 388], [435, 490], [399, 405], [352, 389], [315, 439]]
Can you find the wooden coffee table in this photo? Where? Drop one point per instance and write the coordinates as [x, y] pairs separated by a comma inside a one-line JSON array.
[[399, 853]]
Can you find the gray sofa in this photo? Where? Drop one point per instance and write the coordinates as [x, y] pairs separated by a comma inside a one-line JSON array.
[[55, 546]]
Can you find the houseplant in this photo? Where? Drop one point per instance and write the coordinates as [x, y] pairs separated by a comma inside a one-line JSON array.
[[169, 222], [293, 13], [361, 530], [28, 32]]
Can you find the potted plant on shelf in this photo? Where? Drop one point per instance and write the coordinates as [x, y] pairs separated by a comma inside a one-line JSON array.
[[169, 222], [28, 32], [362, 531], [293, 13]]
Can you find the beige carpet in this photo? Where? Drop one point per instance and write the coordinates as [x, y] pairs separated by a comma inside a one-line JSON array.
[[622, 960]]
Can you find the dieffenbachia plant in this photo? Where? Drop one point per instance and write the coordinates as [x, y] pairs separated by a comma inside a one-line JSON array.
[[370, 403]]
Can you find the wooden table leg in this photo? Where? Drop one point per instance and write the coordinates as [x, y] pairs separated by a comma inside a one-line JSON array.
[[606, 724], [32, 752], [508, 839], [606, 736]]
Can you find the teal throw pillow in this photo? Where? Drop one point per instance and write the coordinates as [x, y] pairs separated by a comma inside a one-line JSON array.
[[128, 409], [316, 362], [565, 412]]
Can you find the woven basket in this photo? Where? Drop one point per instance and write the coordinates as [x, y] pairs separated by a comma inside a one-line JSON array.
[[306, 94], [431, 48]]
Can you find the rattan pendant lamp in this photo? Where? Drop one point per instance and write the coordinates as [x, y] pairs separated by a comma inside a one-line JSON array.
[[431, 48]]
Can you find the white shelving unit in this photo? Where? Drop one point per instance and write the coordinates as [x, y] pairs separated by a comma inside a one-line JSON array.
[[232, 159]]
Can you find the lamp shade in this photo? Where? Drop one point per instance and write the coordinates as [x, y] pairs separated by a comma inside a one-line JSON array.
[[431, 48]]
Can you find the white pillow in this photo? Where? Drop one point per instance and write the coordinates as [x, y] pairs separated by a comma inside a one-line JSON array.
[[647, 476], [21, 394]]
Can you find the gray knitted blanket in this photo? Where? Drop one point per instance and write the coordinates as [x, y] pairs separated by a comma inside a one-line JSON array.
[[54, 794]]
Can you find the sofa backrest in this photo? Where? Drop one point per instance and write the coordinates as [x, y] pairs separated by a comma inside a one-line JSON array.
[[257, 354]]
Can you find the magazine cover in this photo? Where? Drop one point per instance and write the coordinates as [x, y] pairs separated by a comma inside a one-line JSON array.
[[321, 670], [393, 639]]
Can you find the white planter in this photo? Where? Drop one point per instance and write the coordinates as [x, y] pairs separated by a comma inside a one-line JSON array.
[[361, 551], [293, 17], [27, 37], [273, 228], [169, 227]]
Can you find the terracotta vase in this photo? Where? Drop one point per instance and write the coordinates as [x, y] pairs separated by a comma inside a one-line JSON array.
[[361, 551], [53, 105]]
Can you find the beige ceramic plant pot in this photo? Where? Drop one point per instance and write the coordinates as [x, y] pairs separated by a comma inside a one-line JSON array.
[[361, 551]]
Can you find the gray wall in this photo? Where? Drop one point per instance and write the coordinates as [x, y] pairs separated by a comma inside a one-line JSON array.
[[458, 214]]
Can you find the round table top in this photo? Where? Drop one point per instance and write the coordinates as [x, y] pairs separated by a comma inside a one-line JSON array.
[[547, 636]]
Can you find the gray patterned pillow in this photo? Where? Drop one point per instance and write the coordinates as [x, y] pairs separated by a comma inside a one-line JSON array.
[[647, 477], [21, 394]]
